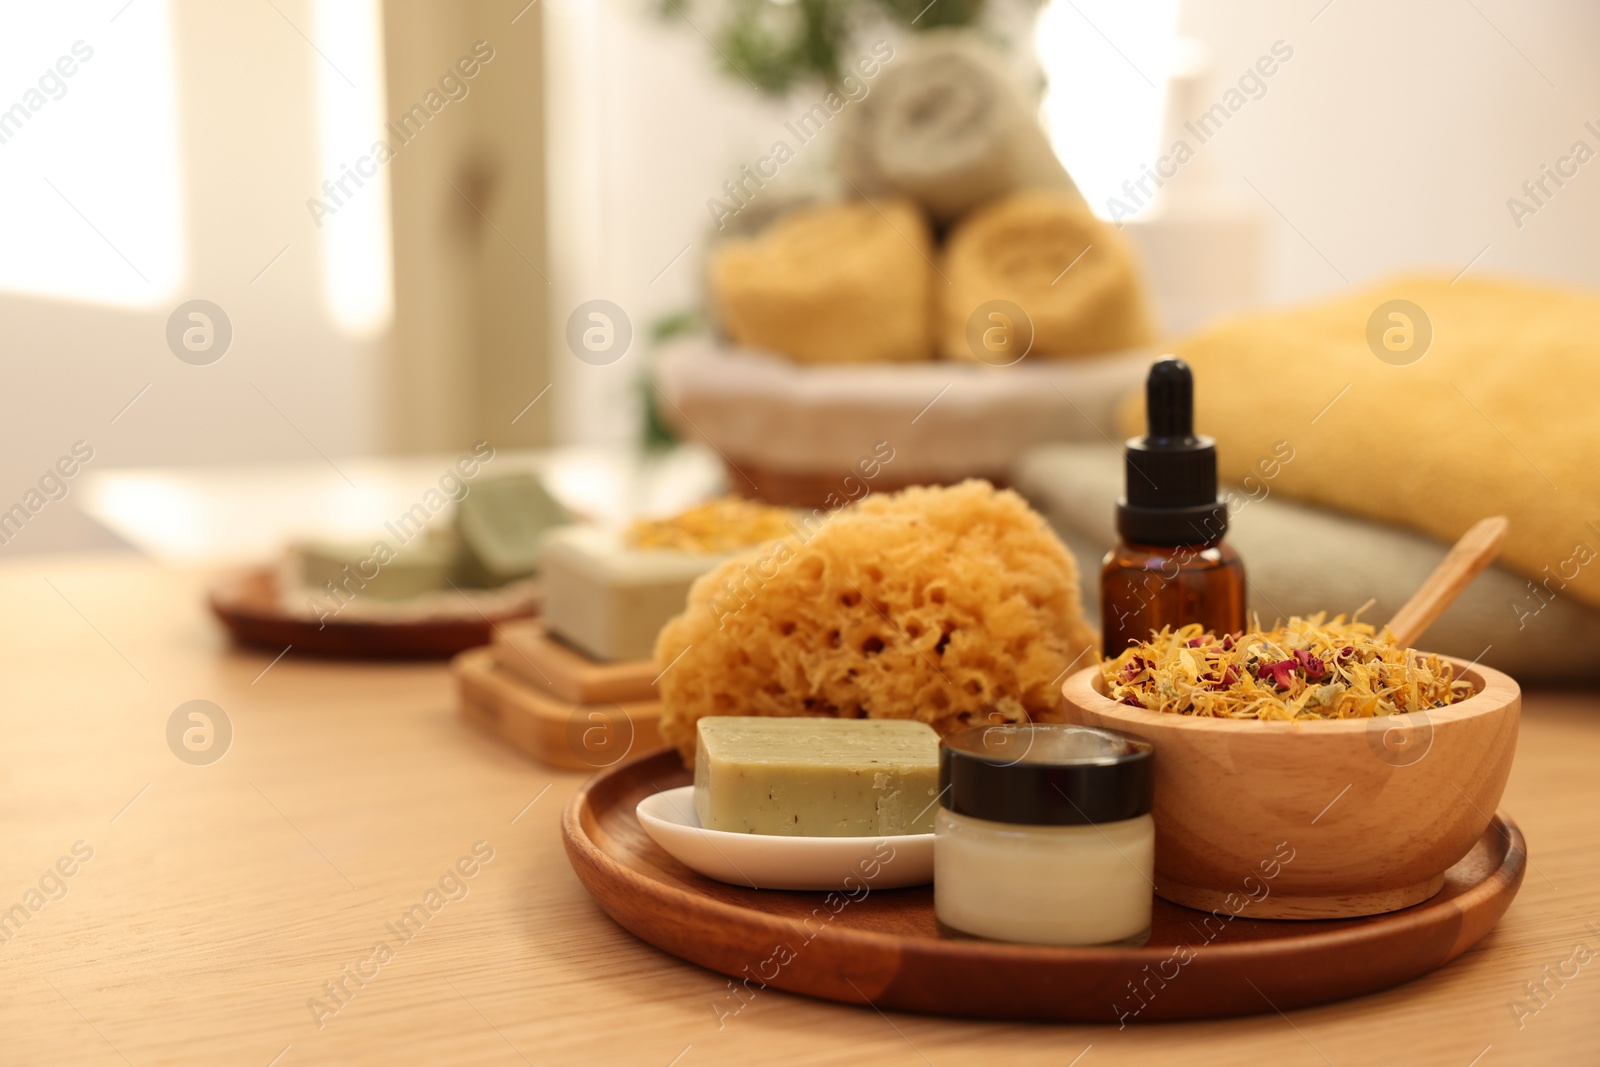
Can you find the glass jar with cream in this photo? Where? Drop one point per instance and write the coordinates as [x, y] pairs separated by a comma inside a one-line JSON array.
[[1044, 834]]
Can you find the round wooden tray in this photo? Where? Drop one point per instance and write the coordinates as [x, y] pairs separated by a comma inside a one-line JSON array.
[[885, 948], [247, 604]]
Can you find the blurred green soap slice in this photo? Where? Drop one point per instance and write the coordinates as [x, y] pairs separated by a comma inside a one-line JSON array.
[[500, 522], [802, 777], [422, 565]]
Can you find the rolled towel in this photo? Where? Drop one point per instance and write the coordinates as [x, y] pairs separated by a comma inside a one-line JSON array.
[[840, 283], [945, 126], [1048, 254]]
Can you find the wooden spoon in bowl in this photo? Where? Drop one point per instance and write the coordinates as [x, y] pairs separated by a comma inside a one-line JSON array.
[[1476, 549]]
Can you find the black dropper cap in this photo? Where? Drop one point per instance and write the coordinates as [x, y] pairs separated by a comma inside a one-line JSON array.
[[1171, 472]]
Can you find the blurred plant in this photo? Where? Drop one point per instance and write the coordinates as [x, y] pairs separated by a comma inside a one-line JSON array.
[[775, 44], [684, 323], [658, 433]]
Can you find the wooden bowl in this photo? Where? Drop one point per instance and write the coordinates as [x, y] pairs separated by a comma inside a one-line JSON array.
[[1317, 820]]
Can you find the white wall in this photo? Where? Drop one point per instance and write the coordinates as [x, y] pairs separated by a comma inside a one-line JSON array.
[[1394, 137]]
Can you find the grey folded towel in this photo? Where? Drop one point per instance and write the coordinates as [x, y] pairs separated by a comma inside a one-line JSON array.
[[945, 126], [1300, 559]]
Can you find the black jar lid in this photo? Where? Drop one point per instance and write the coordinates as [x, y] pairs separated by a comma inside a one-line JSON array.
[[1046, 774]]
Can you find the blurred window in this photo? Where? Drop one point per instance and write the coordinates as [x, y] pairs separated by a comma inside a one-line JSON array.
[[350, 109], [89, 165], [1107, 62]]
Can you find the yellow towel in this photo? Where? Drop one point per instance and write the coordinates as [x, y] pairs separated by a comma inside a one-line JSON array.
[[840, 283], [1048, 254], [1497, 417]]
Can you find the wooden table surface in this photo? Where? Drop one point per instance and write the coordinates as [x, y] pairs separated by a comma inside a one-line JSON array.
[[221, 899]]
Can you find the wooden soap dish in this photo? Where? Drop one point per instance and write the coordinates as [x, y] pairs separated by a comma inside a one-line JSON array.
[[885, 948], [573, 736], [530, 651], [249, 605]]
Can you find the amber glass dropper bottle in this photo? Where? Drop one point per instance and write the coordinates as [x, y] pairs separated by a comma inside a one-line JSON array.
[[1171, 567]]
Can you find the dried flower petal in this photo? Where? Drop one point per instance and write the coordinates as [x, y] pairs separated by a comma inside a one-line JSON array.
[[1315, 670], [1280, 674], [1304, 669]]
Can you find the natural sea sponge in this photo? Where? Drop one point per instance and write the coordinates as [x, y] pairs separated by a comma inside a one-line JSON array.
[[952, 606], [1047, 253], [839, 283]]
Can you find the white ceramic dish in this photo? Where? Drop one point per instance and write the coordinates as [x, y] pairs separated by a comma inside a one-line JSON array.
[[763, 861]]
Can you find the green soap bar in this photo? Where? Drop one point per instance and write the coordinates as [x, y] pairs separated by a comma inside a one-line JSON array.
[[422, 565], [500, 522], [816, 777]]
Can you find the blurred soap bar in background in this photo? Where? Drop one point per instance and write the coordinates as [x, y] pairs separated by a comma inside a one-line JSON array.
[[500, 523], [378, 568], [609, 599]]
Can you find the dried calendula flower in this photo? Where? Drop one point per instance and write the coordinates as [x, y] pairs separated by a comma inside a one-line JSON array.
[[1304, 669], [715, 526]]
